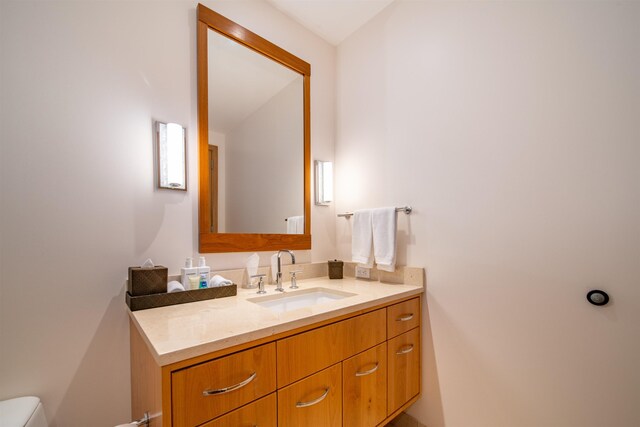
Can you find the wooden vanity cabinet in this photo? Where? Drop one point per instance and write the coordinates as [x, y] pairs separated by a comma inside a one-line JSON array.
[[358, 370]]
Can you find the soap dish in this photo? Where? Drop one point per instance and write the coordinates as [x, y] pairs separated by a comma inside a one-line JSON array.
[[144, 302]]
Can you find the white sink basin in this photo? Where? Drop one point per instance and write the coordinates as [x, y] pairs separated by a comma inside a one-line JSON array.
[[294, 300]]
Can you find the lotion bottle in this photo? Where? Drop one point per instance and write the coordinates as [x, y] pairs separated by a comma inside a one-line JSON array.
[[204, 272], [188, 273]]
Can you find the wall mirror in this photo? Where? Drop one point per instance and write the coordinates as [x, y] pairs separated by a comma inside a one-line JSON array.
[[253, 141]]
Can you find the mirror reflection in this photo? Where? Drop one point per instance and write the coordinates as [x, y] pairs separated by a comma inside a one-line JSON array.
[[256, 141]]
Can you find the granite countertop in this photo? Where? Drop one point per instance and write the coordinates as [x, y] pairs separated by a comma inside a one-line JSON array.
[[179, 332]]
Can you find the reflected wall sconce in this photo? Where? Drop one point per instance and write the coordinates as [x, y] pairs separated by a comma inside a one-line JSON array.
[[172, 156], [324, 182]]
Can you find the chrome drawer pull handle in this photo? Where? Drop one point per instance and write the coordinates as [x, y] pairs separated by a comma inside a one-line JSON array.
[[405, 350], [405, 317], [228, 389], [313, 402], [370, 371]]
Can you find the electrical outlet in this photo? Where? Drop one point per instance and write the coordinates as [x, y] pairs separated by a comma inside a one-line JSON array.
[[363, 272]]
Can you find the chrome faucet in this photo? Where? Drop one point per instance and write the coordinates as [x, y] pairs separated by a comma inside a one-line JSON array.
[[279, 272]]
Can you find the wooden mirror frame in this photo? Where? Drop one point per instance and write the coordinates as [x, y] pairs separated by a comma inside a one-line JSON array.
[[239, 242]]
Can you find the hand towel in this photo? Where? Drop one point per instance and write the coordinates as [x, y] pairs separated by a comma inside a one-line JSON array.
[[174, 286], [362, 238], [384, 224], [295, 224], [218, 280]]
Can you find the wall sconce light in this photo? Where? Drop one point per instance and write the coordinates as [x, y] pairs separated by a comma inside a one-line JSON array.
[[172, 156], [324, 182]]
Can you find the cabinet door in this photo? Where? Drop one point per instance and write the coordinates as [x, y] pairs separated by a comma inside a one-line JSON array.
[[206, 391], [402, 317], [315, 401], [403, 356], [261, 413], [364, 388]]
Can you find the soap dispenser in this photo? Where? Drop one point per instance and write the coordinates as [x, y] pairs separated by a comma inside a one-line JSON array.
[[188, 273], [204, 272]]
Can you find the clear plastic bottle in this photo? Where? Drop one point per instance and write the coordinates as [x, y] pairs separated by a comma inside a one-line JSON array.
[[205, 272], [188, 273]]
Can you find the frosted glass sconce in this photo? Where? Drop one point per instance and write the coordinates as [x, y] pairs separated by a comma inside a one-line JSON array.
[[324, 183], [172, 156]]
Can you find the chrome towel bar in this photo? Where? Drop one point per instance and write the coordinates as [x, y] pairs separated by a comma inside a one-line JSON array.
[[405, 209]]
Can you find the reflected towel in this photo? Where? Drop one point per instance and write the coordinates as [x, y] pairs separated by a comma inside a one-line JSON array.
[[362, 238], [384, 224], [295, 224]]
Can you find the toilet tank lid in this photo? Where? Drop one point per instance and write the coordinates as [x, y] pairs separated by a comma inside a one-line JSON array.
[[16, 412]]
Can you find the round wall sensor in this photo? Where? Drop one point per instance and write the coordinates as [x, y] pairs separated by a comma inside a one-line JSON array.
[[597, 297]]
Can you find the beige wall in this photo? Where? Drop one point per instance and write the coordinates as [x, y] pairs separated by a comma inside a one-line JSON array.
[[81, 83], [512, 129]]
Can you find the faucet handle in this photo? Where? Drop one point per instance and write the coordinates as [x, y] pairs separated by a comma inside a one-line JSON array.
[[294, 282], [260, 283]]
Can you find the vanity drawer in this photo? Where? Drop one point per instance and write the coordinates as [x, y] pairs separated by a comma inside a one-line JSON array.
[[403, 357], [311, 351], [313, 402], [203, 392], [260, 413], [364, 387], [363, 332], [403, 317], [303, 354]]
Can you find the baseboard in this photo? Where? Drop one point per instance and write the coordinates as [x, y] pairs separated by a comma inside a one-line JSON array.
[[405, 420]]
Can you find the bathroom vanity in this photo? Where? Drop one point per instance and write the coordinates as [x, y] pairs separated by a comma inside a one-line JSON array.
[[352, 361]]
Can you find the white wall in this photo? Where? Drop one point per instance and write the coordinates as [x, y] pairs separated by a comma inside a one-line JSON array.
[[264, 153], [512, 129], [81, 83]]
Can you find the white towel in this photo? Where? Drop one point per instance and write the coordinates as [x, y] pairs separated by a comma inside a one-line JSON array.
[[174, 286], [384, 221], [295, 224], [362, 238], [218, 280]]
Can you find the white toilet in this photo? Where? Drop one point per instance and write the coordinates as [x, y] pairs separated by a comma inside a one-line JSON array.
[[22, 412]]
